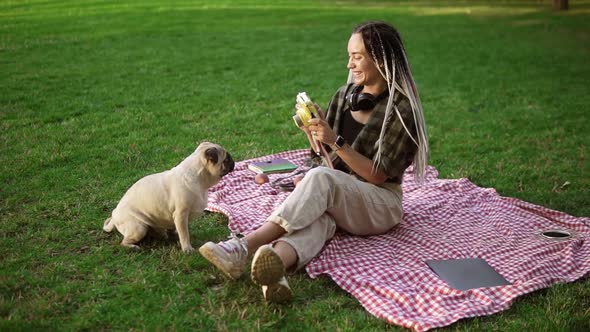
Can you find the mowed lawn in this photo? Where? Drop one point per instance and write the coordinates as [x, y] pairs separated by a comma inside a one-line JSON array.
[[94, 95]]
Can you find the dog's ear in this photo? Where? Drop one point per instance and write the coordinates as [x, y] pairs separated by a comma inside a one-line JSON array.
[[211, 154]]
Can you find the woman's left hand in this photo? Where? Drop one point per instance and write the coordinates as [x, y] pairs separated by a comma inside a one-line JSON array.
[[321, 131]]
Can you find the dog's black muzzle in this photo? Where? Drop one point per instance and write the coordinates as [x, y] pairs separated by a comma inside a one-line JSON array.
[[228, 164]]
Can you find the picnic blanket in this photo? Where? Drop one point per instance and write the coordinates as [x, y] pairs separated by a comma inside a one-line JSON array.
[[443, 219]]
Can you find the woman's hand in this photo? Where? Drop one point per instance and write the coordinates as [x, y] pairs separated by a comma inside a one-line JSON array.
[[320, 131], [312, 134], [361, 165]]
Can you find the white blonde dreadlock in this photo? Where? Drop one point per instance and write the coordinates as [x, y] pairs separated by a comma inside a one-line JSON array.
[[393, 63]]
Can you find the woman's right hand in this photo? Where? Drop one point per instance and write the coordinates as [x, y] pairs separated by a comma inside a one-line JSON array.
[[312, 141]]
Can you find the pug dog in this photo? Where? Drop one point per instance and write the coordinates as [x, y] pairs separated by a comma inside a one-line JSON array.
[[166, 201]]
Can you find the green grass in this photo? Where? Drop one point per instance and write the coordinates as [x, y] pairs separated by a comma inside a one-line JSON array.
[[94, 95]]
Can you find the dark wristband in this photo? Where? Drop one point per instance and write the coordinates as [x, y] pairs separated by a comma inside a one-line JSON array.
[[340, 141]]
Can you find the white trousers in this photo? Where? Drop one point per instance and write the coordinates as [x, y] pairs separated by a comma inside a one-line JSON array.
[[326, 199]]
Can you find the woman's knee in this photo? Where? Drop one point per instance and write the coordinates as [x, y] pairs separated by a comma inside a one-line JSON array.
[[324, 174]]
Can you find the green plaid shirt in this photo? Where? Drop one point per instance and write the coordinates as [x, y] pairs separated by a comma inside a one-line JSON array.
[[398, 149]]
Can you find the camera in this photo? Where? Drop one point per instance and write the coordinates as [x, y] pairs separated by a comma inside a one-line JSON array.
[[304, 110]]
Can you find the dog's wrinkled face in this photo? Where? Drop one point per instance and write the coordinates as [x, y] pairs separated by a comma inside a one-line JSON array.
[[218, 161]]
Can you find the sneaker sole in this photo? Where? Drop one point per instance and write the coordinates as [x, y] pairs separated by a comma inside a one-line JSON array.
[[209, 254], [267, 267]]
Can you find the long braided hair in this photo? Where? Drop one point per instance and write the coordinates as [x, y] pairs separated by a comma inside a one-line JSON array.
[[384, 44]]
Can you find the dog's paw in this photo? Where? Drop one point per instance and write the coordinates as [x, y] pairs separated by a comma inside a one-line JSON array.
[[130, 246], [188, 250]]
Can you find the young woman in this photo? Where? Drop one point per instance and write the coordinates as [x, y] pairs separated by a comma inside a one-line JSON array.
[[375, 129]]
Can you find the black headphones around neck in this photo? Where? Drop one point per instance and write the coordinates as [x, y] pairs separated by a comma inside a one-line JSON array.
[[358, 101]]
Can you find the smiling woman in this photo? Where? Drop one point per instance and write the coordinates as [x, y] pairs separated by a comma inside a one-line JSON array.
[[362, 67], [381, 57], [371, 147]]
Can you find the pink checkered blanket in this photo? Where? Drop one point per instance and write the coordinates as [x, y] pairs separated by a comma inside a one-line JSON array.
[[443, 219]]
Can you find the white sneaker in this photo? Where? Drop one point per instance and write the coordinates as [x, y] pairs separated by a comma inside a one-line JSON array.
[[279, 292], [228, 256], [268, 271]]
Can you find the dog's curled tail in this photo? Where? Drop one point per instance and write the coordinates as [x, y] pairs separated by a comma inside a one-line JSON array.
[[108, 226]]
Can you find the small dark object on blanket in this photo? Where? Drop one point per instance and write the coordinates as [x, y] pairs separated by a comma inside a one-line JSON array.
[[285, 183], [557, 234]]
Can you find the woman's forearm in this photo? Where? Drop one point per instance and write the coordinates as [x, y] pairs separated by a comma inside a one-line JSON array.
[[361, 165]]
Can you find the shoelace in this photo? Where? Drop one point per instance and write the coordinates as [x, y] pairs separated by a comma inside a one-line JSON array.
[[241, 241]]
